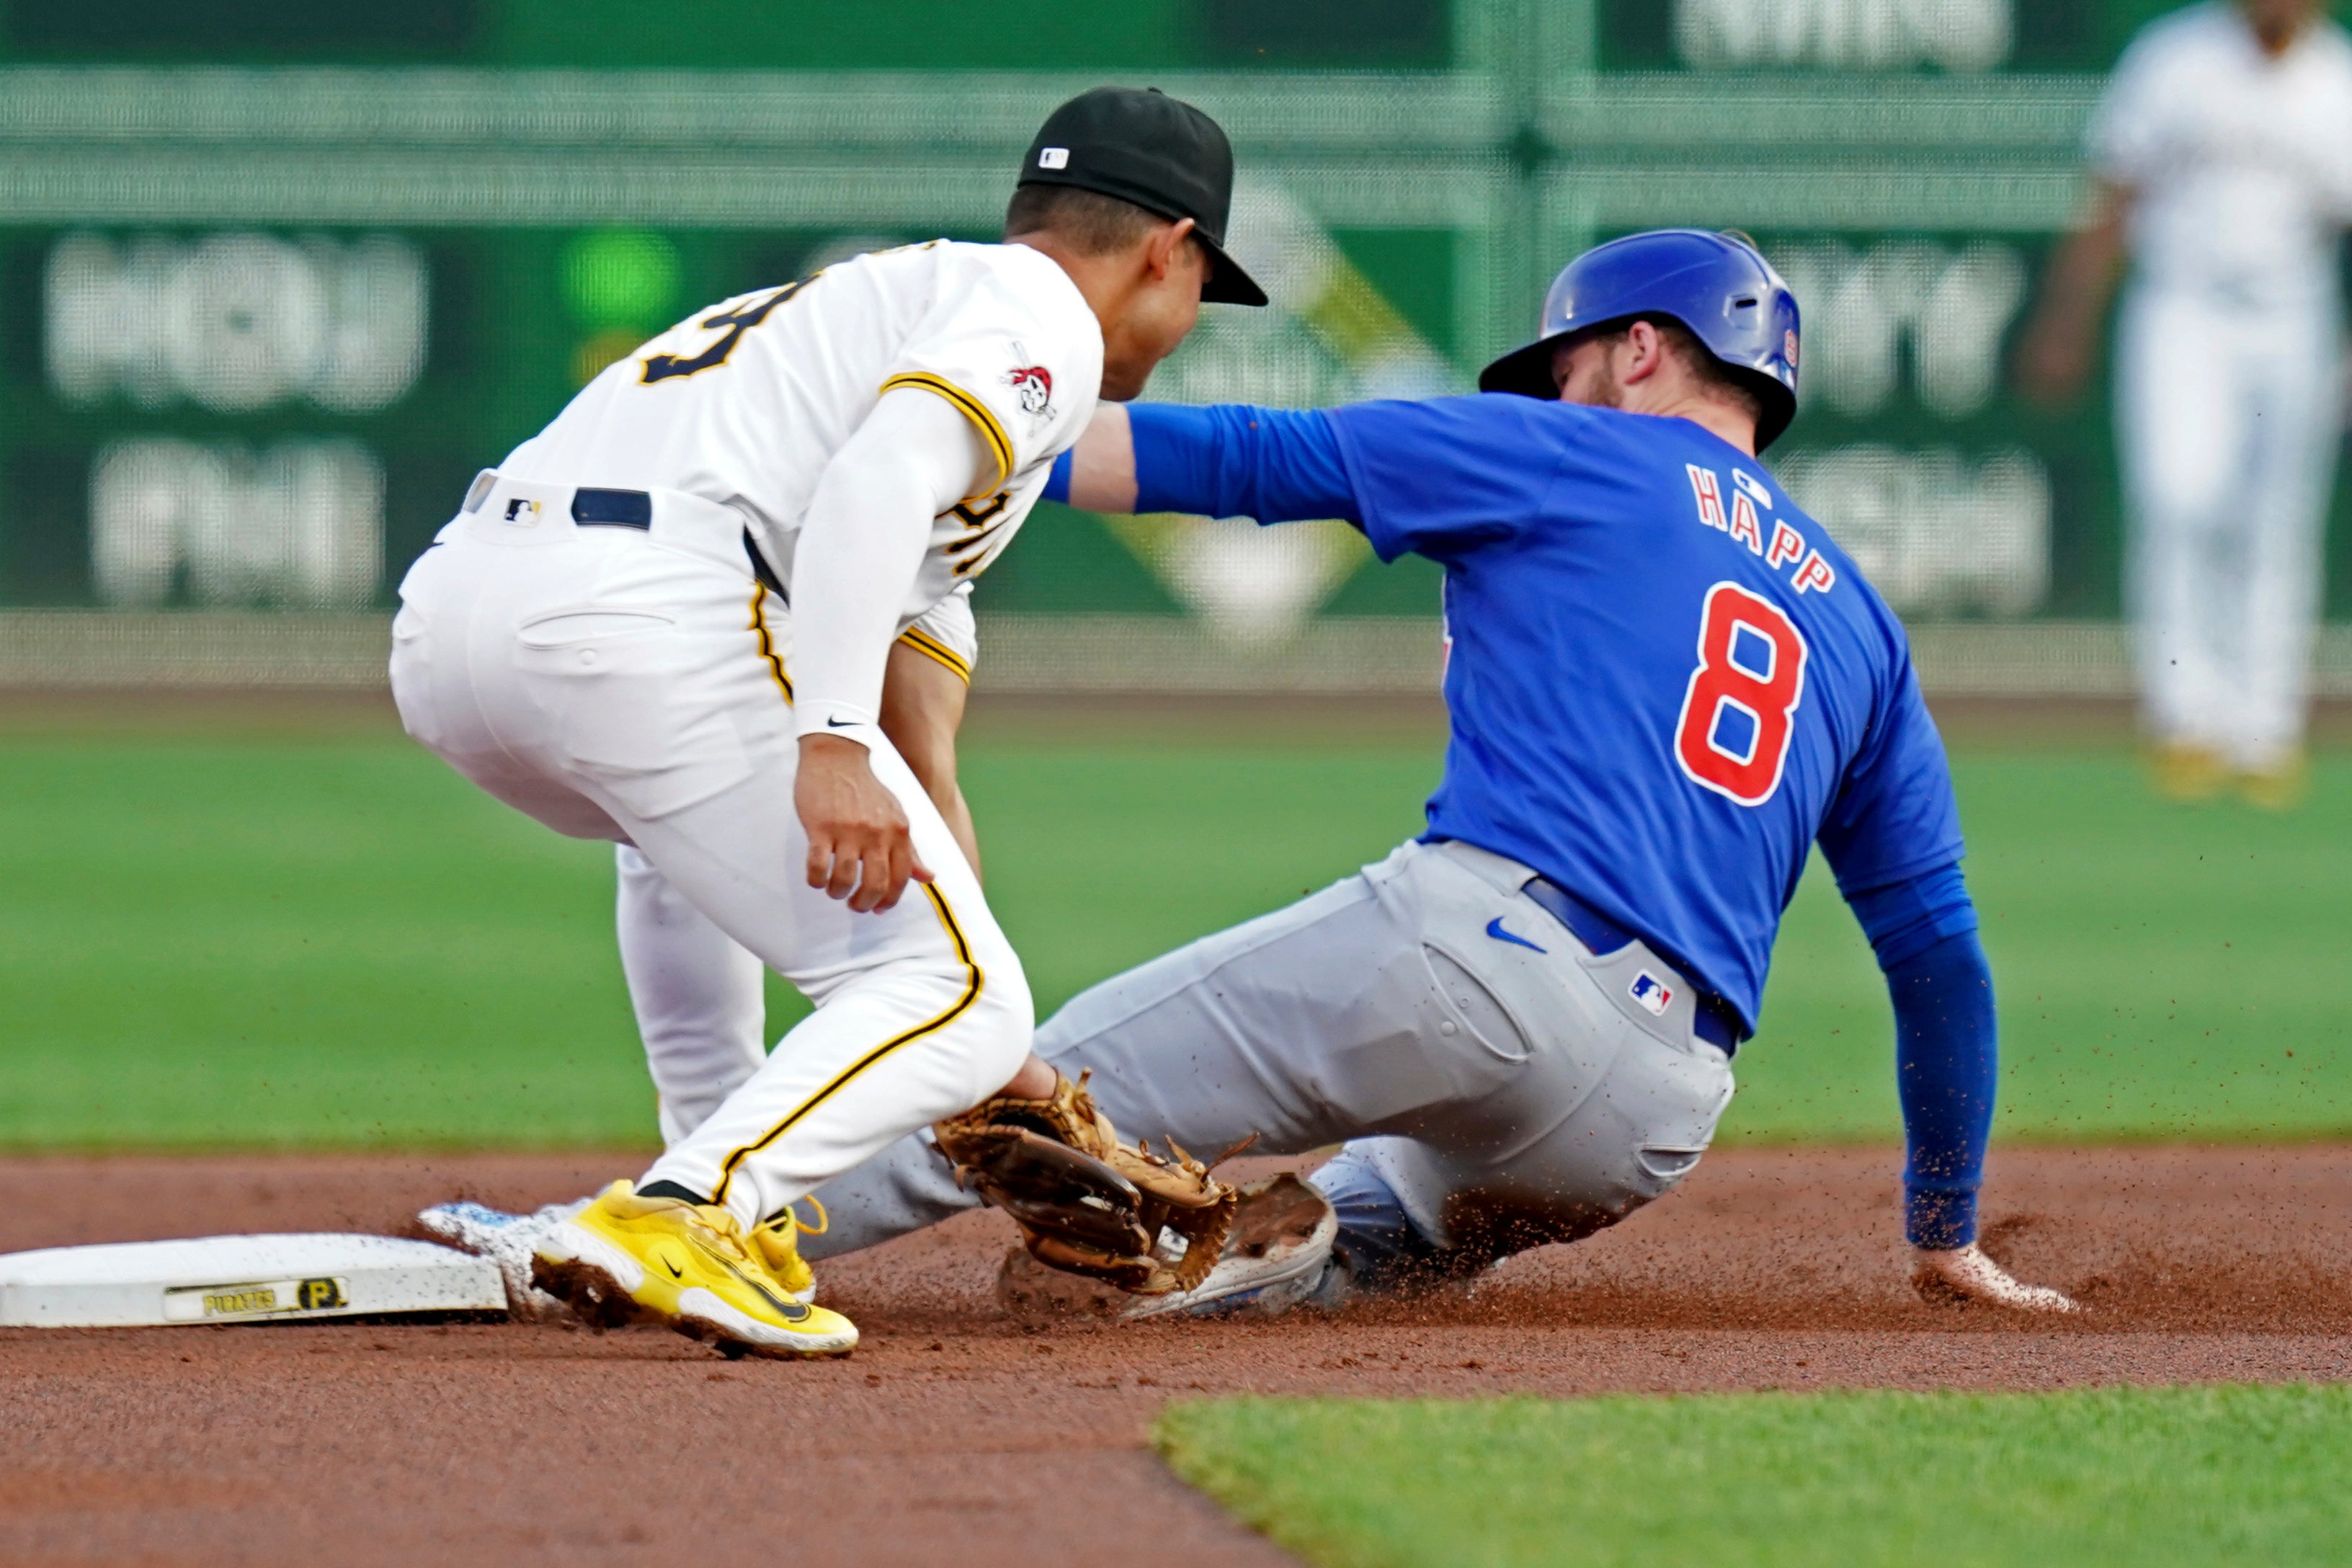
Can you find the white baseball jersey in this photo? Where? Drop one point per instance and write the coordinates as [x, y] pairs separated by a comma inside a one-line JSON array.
[[2242, 164], [745, 402]]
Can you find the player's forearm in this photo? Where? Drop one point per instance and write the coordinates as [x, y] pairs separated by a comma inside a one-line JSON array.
[[854, 566], [1098, 473], [1924, 931], [2054, 356], [2089, 260], [1947, 1065], [1275, 465], [922, 710]]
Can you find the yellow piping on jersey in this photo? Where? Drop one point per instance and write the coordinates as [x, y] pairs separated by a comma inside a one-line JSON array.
[[974, 979], [767, 643], [923, 643], [999, 445]]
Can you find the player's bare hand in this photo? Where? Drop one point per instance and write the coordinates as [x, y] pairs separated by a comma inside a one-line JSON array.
[[859, 846], [1965, 1274]]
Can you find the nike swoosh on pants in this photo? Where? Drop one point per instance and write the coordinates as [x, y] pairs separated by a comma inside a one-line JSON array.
[[1495, 929]]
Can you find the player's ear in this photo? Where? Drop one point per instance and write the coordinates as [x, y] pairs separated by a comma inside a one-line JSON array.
[[1649, 346], [1161, 252]]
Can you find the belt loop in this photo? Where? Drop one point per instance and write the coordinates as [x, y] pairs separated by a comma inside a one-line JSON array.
[[612, 509]]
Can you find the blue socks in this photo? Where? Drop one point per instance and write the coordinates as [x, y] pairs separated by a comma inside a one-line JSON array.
[[1378, 1244]]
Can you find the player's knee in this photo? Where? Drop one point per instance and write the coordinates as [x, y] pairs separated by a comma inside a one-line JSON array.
[[1005, 1026]]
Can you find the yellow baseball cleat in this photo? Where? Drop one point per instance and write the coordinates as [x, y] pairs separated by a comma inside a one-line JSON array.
[[626, 1257], [2280, 787], [775, 1246], [2185, 773]]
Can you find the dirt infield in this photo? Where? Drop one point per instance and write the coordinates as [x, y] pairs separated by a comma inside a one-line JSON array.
[[953, 1436]]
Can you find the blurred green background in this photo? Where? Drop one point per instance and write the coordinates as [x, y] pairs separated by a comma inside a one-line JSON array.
[[269, 268], [218, 936]]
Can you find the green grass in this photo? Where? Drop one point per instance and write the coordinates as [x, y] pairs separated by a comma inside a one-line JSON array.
[[292, 940], [319, 942], [2115, 1477], [2164, 971]]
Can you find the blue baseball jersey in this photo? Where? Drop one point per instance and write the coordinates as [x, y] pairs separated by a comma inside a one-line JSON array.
[[1666, 681]]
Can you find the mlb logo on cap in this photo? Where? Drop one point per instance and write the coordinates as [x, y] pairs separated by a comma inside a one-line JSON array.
[[1053, 157], [1650, 994]]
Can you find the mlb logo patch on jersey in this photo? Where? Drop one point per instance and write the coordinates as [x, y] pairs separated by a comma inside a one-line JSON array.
[[525, 512], [1651, 994]]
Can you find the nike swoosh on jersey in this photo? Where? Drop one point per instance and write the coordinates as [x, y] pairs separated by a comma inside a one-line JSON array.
[[1495, 929], [837, 724]]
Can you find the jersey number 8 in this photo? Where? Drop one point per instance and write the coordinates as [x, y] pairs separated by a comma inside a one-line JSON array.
[[1733, 736]]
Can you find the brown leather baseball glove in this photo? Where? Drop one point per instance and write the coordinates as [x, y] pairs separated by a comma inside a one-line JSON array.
[[1084, 1202]]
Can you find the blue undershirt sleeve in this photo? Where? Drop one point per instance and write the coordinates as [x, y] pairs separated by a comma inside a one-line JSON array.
[[1909, 917], [1946, 1045], [1057, 479], [1277, 465]]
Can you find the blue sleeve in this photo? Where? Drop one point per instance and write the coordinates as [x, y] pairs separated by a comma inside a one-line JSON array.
[[1946, 1062], [1057, 479], [1277, 465], [1892, 836], [1906, 919], [1894, 817], [1450, 475]]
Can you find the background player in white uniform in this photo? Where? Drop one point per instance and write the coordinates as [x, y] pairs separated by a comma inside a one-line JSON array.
[[2223, 158], [666, 621]]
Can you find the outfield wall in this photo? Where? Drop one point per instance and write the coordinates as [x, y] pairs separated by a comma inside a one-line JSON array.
[[276, 281]]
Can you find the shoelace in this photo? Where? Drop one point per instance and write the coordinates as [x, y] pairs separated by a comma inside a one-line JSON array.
[[726, 1234]]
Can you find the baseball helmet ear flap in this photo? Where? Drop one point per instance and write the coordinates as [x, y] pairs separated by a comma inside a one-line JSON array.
[[1717, 285]]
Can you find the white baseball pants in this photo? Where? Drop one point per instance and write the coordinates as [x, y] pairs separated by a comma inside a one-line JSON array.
[[698, 995], [2228, 419], [631, 684]]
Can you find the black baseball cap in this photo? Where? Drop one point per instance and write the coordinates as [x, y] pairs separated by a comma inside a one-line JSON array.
[[1165, 156]]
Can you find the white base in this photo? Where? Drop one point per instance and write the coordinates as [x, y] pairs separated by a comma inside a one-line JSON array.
[[241, 1280]]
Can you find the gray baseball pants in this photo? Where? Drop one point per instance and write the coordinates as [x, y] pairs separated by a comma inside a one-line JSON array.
[[1497, 1076]]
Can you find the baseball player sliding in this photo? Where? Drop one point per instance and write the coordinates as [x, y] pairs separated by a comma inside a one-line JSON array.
[[666, 619], [1666, 682], [2222, 153]]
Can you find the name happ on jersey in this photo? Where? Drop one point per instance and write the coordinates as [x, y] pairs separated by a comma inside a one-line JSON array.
[[1745, 524]]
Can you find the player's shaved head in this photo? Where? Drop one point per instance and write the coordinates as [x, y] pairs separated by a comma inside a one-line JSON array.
[[1088, 222]]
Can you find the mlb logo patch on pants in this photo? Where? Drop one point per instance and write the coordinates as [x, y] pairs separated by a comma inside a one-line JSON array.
[[1652, 995]]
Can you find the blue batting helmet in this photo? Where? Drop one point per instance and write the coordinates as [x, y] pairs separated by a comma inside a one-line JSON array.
[[1717, 285]]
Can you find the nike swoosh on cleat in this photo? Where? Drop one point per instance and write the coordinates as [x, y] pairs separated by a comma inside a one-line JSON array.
[[790, 1311], [674, 1271], [1495, 929]]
